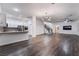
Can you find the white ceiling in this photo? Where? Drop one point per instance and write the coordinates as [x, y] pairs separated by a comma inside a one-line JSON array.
[[57, 11]]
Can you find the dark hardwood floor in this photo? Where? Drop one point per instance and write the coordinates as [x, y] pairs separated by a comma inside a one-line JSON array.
[[44, 45]]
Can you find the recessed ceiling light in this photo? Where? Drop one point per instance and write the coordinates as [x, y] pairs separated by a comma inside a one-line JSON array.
[[16, 9]]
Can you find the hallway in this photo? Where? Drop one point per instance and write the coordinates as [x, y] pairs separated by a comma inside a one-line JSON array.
[[44, 45]]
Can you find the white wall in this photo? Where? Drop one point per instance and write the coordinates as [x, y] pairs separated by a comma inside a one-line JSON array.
[[39, 27], [73, 24], [77, 26], [30, 27], [13, 22]]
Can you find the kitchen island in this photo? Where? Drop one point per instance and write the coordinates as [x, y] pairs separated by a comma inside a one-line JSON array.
[[13, 37]]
